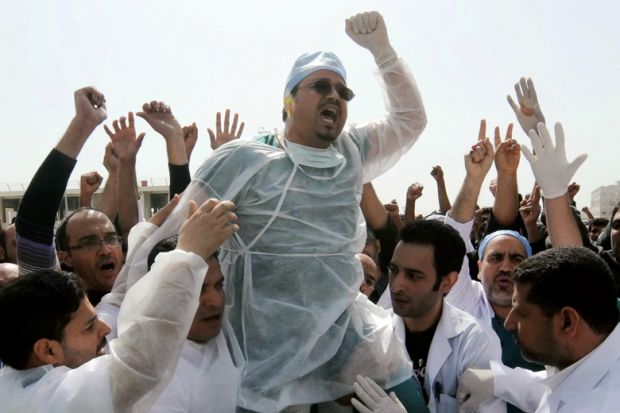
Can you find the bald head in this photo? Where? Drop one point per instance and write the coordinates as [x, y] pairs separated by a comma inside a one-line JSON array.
[[372, 274], [8, 272]]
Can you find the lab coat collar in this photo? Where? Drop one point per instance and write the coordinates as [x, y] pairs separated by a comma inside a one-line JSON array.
[[585, 374], [451, 324]]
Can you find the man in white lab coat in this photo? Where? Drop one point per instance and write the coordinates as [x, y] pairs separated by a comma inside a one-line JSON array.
[[441, 340], [54, 349], [564, 316]]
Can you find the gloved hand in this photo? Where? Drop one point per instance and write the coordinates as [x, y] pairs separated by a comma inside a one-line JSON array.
[[368, 30], [374, 398], [475, 387], [549, 164], [528, 112]]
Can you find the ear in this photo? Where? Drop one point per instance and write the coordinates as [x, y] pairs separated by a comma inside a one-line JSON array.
[[288, 105], [65, 258], [378, 246], [479, 270], [568, 321], [48, 351], [2, 254], [448, 282]]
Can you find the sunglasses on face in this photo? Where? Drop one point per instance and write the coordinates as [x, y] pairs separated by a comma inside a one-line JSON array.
[[324, 87]]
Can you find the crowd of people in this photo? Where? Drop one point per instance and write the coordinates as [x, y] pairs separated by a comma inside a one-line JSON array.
[[276, 280]]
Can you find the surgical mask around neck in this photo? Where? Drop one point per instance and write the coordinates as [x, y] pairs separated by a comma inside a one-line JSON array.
[[314, 157]]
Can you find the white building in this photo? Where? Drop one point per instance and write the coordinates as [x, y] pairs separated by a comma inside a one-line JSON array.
[[153, 194], [603, 200]]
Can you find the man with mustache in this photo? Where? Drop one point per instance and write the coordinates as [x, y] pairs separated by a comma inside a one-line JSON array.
[[292, 279]]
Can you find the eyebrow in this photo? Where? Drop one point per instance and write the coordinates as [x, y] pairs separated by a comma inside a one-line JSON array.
[[105, 234], [91, 320]]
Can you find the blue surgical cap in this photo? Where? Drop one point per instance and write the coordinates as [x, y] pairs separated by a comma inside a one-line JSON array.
[[308, 63], [485, 241]]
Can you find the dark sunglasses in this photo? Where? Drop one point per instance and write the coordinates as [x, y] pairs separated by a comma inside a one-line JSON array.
[[324, 87]]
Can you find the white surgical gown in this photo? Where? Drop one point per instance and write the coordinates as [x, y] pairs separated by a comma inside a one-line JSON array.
[[141, 360], [292, 280]]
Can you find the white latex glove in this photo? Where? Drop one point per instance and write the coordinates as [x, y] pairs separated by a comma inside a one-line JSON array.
[[528, 111], [368, 30], [374, 398], [475, 387], [549, 164]]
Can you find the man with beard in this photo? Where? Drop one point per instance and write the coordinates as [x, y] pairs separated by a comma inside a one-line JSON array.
[[206, 375], [292, 279], [565, 316], [500, 252], [442, 341], [54, 349], [86, 239]]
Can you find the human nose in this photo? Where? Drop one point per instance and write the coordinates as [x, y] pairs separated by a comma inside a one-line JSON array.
[[211, 298], [333, 92], [104, 247], [395, 281], [507, 265], [104, 328]]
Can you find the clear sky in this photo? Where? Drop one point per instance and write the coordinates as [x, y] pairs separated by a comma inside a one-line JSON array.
[[205, 56]]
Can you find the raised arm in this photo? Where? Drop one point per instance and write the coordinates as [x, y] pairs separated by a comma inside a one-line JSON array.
[[507, 155], [393, 211], [530, 211], [126, 145], [37, 211], [108, 201], [190, 137], [465, 294], [553, 173], [383, 143], [374, 212], [228, 133], [413, 193], [159, 116], [157, 311], [477, 164], [573, 190], [442, 193], [586, 211], [528, 111], [89, 183]]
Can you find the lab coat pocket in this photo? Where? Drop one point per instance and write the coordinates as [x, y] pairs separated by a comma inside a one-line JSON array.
[[447, 404]]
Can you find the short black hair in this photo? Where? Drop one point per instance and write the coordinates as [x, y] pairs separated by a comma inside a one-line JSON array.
[[35, 306], [293, 93], [62, 238], [571, 277], [165, 245], [448, 247], [598, 222]]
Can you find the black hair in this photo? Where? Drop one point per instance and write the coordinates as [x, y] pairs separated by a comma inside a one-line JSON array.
[[448, 247], [571, 277], [165, 245], [35, 306], [598, 222]]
